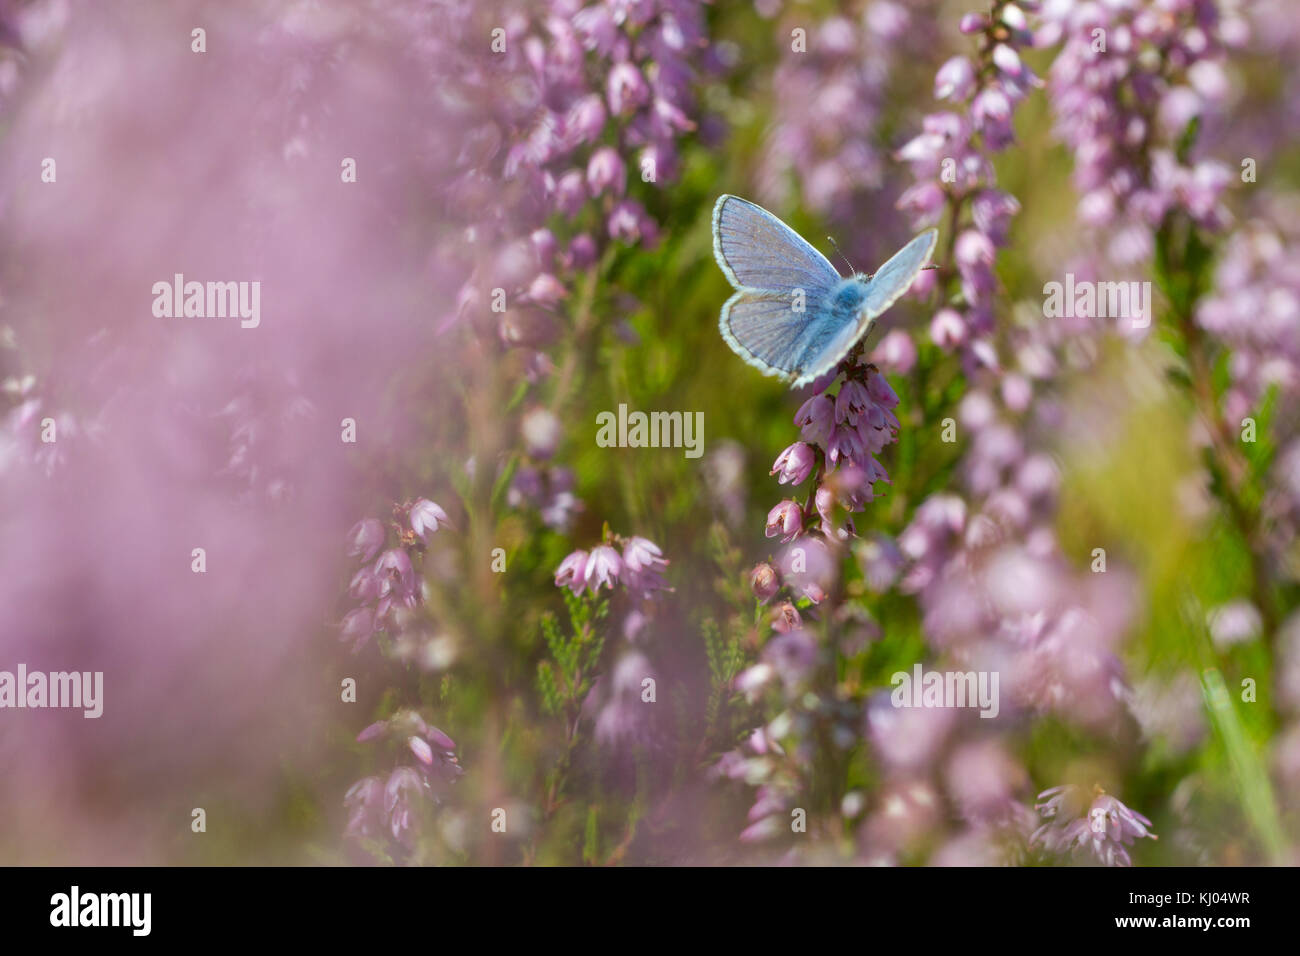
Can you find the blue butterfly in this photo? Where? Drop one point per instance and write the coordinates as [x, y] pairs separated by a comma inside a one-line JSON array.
[[793, 315]]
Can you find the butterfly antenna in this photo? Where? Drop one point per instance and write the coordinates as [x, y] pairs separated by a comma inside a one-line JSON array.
[[836, 246]]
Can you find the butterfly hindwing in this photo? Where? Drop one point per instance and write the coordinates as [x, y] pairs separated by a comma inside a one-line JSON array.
[[762, 328]]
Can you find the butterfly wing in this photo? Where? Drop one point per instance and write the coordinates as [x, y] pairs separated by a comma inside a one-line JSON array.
[[897, 275], [773, 268], [758, 251], [765, 331]]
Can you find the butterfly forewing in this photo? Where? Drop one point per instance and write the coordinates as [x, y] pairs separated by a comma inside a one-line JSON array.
[[758, 251], [897, 275]]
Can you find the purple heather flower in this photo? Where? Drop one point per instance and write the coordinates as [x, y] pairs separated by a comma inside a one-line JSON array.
[[365, 804], [764, 582], [816, 419], [955, 79], [426, 518], [642, 560], [792, 655], [546, 290], [366, 538], [570, 193], [603, 568], [896, 351], [585, 120], [404, 787], [582, 251], [852, 400], [628, 221], [606, 171], [397, 579], [626, 88], [640, 554], [785, 519], [795, 464], [365, 585], [1106, 828], [420, 747], [991, 111], [572, 572], [947, 329], [357, 627], [1007, 60]]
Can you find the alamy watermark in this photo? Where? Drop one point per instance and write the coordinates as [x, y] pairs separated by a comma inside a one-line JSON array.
[[211, 300], [1085, 299], [75, 908], [940, 689], [653, 430], [58, 689]]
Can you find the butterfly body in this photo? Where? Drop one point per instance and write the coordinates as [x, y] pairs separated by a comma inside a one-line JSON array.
[[793, 315]]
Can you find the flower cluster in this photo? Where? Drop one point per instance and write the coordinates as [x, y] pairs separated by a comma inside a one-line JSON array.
[[387, 586], [380, 808], [1105, 829], [950, 161], [1127, 82], [847, 428], [593, 88], [637, 569]]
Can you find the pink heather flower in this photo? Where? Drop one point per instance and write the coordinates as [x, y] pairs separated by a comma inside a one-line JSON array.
[[641, 554], [785, 519], [642, 560], [896, 351], [572, 572], [1106, 828], [626, 88], [795, 464], [1006, 59], [851, 402], [544, 245], [373, 731], [397, 579], [629, 222], [423, 752], [582, 251], [993, 210], [991, 111], [947, 329], [816, 418], [546, 290], [364, 802], [365, 585], [882, 393], [404, 787], [603, 568], [585, 120], [845, 445], [570, 193], [786, 618], [358, 627], [955, 79], [973, 23], [764, 582], [426, 518], [925, 201], [365, 539], [606, 171]]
